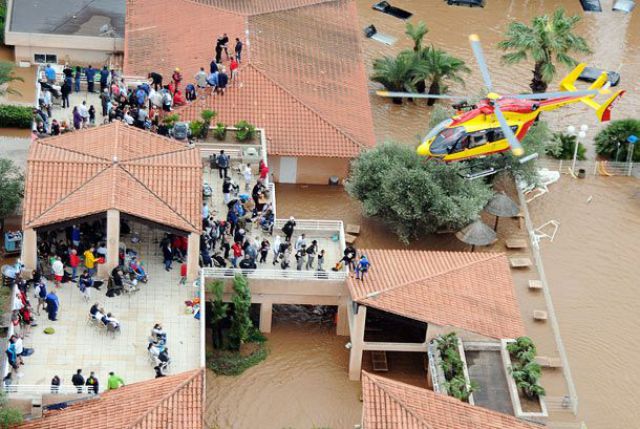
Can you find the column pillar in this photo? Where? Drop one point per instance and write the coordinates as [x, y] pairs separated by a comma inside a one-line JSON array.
[[266, 311], [342, 322], [357, 343], [29, 254], [113, 243], [193, 256]]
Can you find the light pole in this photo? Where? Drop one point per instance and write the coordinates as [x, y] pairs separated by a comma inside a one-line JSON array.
[[580, 135]]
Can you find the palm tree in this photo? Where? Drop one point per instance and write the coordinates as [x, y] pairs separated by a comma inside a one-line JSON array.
[[547, 40], [416, 33], [7, 76], [400, 73], [440, 67]]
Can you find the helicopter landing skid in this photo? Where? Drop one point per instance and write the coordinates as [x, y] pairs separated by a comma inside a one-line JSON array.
[[482, 173]]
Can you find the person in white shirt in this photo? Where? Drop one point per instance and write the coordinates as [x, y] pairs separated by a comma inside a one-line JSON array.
[[58, 271], [102, 250], [301, 241], [248, 175], [127, 117], [84, 112]]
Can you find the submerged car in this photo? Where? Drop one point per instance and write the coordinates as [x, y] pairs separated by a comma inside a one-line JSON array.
[[385, 7], [590, 74], [470, 3]]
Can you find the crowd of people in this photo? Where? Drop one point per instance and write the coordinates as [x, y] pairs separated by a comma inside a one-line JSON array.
[[143, 105]]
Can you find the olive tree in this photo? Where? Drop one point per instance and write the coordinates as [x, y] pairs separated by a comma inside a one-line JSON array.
[[413, 195], [241, 325], [612, 140]]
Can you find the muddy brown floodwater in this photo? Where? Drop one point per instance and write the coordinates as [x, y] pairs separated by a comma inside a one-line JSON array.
[[590, 265]]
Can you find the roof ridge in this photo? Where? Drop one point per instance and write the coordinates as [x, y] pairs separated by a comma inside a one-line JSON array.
[[122, 167], [248, 14], [200, 3], [305, 105], [68, 195], [375, 380], [465, 265], [196, 373], [133, 130]]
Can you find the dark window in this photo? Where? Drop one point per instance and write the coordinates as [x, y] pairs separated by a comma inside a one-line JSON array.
[[39, 58], [45, 58]]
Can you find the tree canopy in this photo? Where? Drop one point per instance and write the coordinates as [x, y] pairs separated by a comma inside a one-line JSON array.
[[11, 187], [547, 41], [412, 195], [612, 140], [6, 77]]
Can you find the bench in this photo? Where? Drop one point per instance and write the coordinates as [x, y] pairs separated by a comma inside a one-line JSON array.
[[520, 217], [520, 262], [379, 361], [535, 284], [353, 229], [350, 239], [516, 243], [540, 315]]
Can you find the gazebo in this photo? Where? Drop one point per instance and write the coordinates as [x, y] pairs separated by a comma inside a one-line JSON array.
[[113, 170]]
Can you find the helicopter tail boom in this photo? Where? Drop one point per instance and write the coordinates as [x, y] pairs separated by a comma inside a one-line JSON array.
[[603, 110]]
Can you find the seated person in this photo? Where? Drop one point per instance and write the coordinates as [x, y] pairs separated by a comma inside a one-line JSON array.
[[248, 263], [219, 261], [96, 311], [118, 278], [158, 334], [109, 320]]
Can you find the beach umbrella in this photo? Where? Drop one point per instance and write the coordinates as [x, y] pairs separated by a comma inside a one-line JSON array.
[[477, 233], [501, 206]]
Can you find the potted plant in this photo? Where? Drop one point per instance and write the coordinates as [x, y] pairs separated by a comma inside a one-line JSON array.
[[167, 123], [220, 131], [245, 131], [453, 368], [525, 371], [207, 116], [197, 128]]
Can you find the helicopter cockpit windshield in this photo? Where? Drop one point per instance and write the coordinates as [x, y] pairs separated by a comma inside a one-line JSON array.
[[447, 140]]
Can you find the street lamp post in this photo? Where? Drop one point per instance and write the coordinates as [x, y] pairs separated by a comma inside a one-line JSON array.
[[580, 135]]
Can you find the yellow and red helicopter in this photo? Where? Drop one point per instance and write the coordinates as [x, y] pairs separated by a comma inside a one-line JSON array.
[[498, 122]]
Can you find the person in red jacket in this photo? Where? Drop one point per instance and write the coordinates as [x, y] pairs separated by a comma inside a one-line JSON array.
[[74, 261], [183, 274], [176, 77]]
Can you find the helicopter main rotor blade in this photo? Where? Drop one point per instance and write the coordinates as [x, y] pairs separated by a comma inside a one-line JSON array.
[[516, 147], [479, 54], [417, 95], [559, 94]]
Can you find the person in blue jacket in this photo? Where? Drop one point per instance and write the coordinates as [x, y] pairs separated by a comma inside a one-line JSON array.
[[90, 74]]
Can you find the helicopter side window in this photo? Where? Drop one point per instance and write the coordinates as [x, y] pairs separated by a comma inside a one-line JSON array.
[[496, 134], [478, 139]]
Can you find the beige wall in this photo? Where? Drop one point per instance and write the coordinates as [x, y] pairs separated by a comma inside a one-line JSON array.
[[435, 330], [313, 170]]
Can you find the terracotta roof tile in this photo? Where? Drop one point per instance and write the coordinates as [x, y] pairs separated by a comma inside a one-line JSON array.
[[302, 76], [471, 291], [169, 402], [389, 404], [74, 175]]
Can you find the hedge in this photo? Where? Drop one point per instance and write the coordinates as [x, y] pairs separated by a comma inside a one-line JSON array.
[[15, 116]]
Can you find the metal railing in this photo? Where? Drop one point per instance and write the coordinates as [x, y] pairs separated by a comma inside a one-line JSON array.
[[45, 389], [314, 225], [276, 274], [272, 197], [592, 167], [555, 327]]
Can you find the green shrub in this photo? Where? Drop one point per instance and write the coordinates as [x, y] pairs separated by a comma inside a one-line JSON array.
[[453, 368], [245, 131], [233, 363], [612, 140], [15, 116], [208, 115], [525, 371], [197, 128], [170, 120], [563, 145], [220, 131]]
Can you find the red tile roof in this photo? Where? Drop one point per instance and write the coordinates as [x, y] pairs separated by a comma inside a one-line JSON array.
[[389, 404], [113, 167], [302, 76], [470, 291], [169, 402]]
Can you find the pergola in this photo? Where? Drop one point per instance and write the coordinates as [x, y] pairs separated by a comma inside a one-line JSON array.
[[113, 169]]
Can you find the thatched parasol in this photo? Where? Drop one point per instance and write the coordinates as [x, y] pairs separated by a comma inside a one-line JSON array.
[[501, 206], [477, 233]]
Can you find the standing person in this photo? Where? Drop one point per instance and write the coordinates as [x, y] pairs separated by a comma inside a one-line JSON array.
[[75, 235], [90, 74], [224, 42], [50, 74], [201, 80], [233, 66], [226, 190], [222, 162], [46, 101], [114, 381], [248, 175], [77, 78], [104, 78], [276, 248], [321, 260], [65, 90], [238, 50], [167, 255], [74, 262], [58, 271], [156, 80], [92, 115], [55, 384], [183, 274], [288, 228], [264, 251], [218, 52], [78, 380], [104, 100], [311, 254], [92, 383], [53, 305], [176, 77], [349, 257], [84, 284], [300, 253], [362, 267], [40, 293], [223, 80], [90, 261], [301, 241], [77, 118], [84, 112], [237, 254]]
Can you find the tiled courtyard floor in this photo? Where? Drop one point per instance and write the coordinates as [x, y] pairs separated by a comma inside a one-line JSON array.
[[76, 344]]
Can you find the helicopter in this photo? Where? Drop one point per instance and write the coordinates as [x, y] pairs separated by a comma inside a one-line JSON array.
[[497, 123]]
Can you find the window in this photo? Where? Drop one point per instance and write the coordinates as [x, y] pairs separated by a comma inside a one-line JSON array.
[[45, 58]]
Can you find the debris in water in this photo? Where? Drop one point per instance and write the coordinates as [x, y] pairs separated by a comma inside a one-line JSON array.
[[589, 199]]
